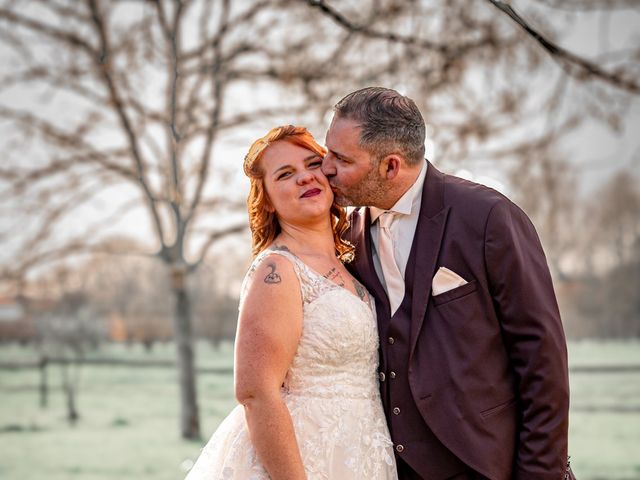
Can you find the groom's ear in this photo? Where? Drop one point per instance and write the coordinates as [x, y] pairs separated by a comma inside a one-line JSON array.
[[390, 166]]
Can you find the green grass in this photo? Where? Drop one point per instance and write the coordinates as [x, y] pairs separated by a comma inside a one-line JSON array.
[[128, 426], [129, 417], [605, 445]]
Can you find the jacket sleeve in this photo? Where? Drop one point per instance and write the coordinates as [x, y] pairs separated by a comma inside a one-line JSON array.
[[526, 306]]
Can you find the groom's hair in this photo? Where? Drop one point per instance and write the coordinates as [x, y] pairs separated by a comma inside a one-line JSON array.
[[390, 122]]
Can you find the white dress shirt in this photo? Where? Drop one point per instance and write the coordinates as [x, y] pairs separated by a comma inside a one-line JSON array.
[[406, 212]]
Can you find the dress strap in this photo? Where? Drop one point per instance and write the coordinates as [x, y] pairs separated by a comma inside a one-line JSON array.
[[305, 277], [298, 267]]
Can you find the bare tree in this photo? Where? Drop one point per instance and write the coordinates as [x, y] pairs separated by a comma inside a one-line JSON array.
[[142, 99], [135, 293], [67, 327], [602, 294], [149, 83], [216, 308], [546, 188], [614, 212]]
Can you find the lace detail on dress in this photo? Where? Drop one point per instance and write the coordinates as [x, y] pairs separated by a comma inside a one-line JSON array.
[[331, 390], [312, 284]]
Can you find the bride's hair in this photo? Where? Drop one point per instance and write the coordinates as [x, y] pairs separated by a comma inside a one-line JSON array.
[[264, 223]]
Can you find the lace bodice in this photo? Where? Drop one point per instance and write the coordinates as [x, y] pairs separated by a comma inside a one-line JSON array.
[[338, 350], [331, 392]]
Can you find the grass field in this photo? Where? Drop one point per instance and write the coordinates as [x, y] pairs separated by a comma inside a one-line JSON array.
[[129, 428]]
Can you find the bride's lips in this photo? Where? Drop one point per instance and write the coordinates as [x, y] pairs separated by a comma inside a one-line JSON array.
[[311, 193]]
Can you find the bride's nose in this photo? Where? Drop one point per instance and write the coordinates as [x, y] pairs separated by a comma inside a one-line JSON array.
[[305, 177]]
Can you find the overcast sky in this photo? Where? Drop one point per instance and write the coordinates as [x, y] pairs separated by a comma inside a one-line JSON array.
[[595, 150]]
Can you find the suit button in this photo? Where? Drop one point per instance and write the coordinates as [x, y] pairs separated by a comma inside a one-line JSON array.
[[399, 448], [392, 340], [392, 374], [381, 375], [396, 411]]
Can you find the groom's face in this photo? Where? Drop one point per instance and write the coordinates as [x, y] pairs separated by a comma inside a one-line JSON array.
[[352, 173]]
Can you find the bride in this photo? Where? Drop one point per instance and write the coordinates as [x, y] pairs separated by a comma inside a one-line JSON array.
[[306, 352]]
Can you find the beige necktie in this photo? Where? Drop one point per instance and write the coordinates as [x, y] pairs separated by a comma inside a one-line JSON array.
[[394, 282]]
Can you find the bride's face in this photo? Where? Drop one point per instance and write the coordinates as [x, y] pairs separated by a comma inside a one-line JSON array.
[[298, 191]]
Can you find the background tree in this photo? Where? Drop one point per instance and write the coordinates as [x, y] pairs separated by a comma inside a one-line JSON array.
[[125, 109], [608, 300], [133, 292], [67, 328]]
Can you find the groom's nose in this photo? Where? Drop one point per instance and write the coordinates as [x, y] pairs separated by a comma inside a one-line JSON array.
[[329, 165]]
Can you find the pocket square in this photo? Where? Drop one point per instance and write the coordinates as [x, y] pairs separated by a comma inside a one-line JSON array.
[[445, 280]]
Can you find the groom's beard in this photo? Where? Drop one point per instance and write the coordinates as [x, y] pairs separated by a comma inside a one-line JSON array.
[[370, 191]]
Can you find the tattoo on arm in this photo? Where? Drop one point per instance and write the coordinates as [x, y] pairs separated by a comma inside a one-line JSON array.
[[272, 277], [282, 248]]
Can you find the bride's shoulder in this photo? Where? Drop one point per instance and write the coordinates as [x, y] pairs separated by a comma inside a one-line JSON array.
[[273, 273], [271, 300], [271, 267]]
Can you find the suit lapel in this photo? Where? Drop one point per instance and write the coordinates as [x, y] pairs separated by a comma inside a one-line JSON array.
[[426, 245]]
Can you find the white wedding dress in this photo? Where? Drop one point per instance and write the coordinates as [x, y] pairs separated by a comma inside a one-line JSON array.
[[331, 390]]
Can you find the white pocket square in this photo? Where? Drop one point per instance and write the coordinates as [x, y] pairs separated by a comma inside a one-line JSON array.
[[445, 280]]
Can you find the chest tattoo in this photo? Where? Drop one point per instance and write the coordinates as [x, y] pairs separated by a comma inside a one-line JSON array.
[[335, 276]]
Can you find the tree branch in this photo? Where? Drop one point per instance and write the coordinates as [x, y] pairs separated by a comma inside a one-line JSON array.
[[104, 65], [370, 33], [574, 65], [214, 237], [218, 83], [171, 33], [67, 38], [65, 140], [586, 5]]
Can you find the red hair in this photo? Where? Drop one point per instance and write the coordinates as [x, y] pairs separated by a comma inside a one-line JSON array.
[[263, 223]]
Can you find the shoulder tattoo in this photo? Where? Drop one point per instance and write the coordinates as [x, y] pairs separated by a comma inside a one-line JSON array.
[[272, 277]]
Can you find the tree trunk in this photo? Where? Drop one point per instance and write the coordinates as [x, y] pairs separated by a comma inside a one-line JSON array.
[[148, 345], [189, 416], [44, 385], [70, 393], [72, 412]]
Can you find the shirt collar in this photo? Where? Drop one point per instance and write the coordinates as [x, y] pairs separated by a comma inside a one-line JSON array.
[[408, 201]]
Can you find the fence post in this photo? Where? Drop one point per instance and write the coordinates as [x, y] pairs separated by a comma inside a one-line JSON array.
[[44, 385]]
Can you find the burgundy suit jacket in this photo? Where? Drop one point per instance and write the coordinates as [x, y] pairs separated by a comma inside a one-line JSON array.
[[487, 360]]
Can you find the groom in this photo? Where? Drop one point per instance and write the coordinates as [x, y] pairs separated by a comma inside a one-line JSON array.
[[473, 361]]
